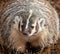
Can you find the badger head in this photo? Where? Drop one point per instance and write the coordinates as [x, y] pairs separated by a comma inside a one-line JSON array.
[[28, 23]]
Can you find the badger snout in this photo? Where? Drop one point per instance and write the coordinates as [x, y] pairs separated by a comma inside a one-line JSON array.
[[25, 32]]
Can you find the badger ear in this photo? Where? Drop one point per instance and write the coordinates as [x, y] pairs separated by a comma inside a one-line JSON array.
[[41, 23], [16, 19], [17, 22]]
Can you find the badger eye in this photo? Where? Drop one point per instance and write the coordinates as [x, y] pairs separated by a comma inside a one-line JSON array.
[[32, 27]]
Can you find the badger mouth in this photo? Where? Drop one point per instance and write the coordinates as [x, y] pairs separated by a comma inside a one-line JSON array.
[[33, 35]]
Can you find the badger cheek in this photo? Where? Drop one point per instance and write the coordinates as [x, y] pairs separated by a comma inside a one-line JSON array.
[[32, 32]]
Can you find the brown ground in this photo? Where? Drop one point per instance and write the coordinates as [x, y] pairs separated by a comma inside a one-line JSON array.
[[55, 49]]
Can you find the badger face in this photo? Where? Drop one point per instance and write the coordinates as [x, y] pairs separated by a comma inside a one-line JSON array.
[[28, 23]]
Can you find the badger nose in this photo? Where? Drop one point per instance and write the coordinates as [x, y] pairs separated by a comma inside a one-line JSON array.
[[24, 33]]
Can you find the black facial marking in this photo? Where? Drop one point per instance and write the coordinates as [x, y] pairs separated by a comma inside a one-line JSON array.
[[23, 25], [19, 25], [32, 26]]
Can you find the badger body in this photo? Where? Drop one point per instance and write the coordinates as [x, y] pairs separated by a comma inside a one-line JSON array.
[[34, 21]]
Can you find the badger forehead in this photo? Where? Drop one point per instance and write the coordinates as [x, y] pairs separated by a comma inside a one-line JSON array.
[[28, 14]]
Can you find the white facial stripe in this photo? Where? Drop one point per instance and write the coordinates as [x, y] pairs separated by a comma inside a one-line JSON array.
[[33, 30], [28, 19]]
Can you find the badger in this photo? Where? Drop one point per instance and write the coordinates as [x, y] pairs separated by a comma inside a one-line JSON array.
[[33, 21]]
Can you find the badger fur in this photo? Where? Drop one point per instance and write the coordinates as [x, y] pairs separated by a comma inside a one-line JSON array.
[[33, 21]]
